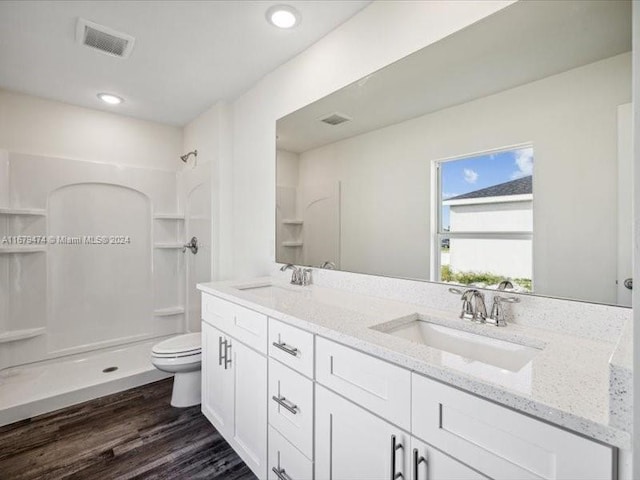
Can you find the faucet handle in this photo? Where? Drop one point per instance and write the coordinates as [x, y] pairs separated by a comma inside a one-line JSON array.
[[497, 316], [481, 308], [306, 276], [467, 309]]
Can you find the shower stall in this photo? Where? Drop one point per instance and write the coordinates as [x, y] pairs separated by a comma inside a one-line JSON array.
[[93, 272]]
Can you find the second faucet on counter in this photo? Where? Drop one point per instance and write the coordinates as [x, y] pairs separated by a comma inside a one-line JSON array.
[[299, 276]]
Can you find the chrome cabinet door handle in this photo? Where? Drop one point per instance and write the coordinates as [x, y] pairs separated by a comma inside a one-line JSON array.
[[220, 355], [227, 357], [286, 348], [282, 401], [417, 460], [280, 473], [394, 447]]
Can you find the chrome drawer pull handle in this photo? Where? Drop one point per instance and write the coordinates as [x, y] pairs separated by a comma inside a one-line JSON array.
[[286, 348], [220, 355], [227, 350], [282, 401], [417, 460], [394, 447], [280, 473]]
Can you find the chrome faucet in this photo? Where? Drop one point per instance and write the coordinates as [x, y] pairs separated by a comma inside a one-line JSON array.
[[299, 276], [473, 306]]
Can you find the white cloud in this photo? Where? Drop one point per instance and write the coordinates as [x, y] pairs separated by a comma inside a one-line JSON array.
[[446, 195], [470, 176], [524, 162]]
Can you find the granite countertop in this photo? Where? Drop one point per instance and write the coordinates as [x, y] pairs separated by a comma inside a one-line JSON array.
[[566, 383]]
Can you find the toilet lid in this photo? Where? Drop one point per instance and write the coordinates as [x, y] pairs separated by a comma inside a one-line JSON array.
[[181, 344]]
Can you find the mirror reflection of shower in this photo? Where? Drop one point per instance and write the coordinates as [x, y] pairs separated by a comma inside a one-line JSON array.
[[185, 157]]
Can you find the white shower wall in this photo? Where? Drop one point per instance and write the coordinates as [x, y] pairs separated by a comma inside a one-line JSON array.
[[58, 299]]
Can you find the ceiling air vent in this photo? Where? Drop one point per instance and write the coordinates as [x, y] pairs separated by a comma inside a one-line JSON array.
[[335, 119], [105, 39]]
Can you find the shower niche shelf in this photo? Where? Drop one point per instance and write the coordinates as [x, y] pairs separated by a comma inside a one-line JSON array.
[[22, 222], [38, 212], [168, 311], [169, 216], [292, 244], [12, 250], [292, 221], [170, 245], [17, 335]]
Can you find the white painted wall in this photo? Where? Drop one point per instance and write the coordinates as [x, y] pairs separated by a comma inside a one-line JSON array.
[[288, 168], [37, 126]]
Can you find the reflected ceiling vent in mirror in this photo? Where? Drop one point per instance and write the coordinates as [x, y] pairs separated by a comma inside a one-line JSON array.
[[335, 119], [104, 39]]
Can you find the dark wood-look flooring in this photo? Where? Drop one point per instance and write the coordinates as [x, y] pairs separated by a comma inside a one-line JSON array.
[[129, 435]]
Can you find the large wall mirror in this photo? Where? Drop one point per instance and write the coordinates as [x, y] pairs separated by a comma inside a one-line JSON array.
[[502, 152]]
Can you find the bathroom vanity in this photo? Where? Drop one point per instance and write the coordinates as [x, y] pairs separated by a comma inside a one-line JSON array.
[[316, 382]]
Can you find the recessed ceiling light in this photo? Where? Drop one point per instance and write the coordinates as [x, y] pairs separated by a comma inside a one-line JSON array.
[[110, 99], [283, 16]]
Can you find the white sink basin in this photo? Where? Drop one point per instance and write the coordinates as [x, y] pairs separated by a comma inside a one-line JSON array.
[[492, 351]]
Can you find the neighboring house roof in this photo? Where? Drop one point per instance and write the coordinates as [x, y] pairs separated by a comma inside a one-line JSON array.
[[521, 186]]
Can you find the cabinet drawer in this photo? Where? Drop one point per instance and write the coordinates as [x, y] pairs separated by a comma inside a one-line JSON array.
[[241, 323], [286, 459], [499, 442], [291, 406], [376, 385], [292, 346]]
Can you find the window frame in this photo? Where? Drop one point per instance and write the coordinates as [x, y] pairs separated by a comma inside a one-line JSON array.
[[437, 234]]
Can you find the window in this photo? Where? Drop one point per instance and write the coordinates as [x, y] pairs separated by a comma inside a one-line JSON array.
[[484, 213]]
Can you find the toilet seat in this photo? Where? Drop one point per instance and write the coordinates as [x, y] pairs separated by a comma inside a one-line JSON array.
[[188, 345]]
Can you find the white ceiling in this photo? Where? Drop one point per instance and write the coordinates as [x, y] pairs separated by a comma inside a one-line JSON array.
[[187, 54], [524, 42]]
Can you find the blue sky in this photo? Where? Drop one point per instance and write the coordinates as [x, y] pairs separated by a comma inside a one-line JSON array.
[[474, 173]]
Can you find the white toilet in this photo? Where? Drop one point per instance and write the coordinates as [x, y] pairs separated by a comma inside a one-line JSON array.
[[182, 356]]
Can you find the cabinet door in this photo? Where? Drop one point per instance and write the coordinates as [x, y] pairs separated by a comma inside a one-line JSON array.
[[427, 463], [217, 381], [250, 432], [353, 444]]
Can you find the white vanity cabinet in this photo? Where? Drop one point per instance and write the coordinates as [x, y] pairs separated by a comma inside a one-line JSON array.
[[234, 378], [328, 411]]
